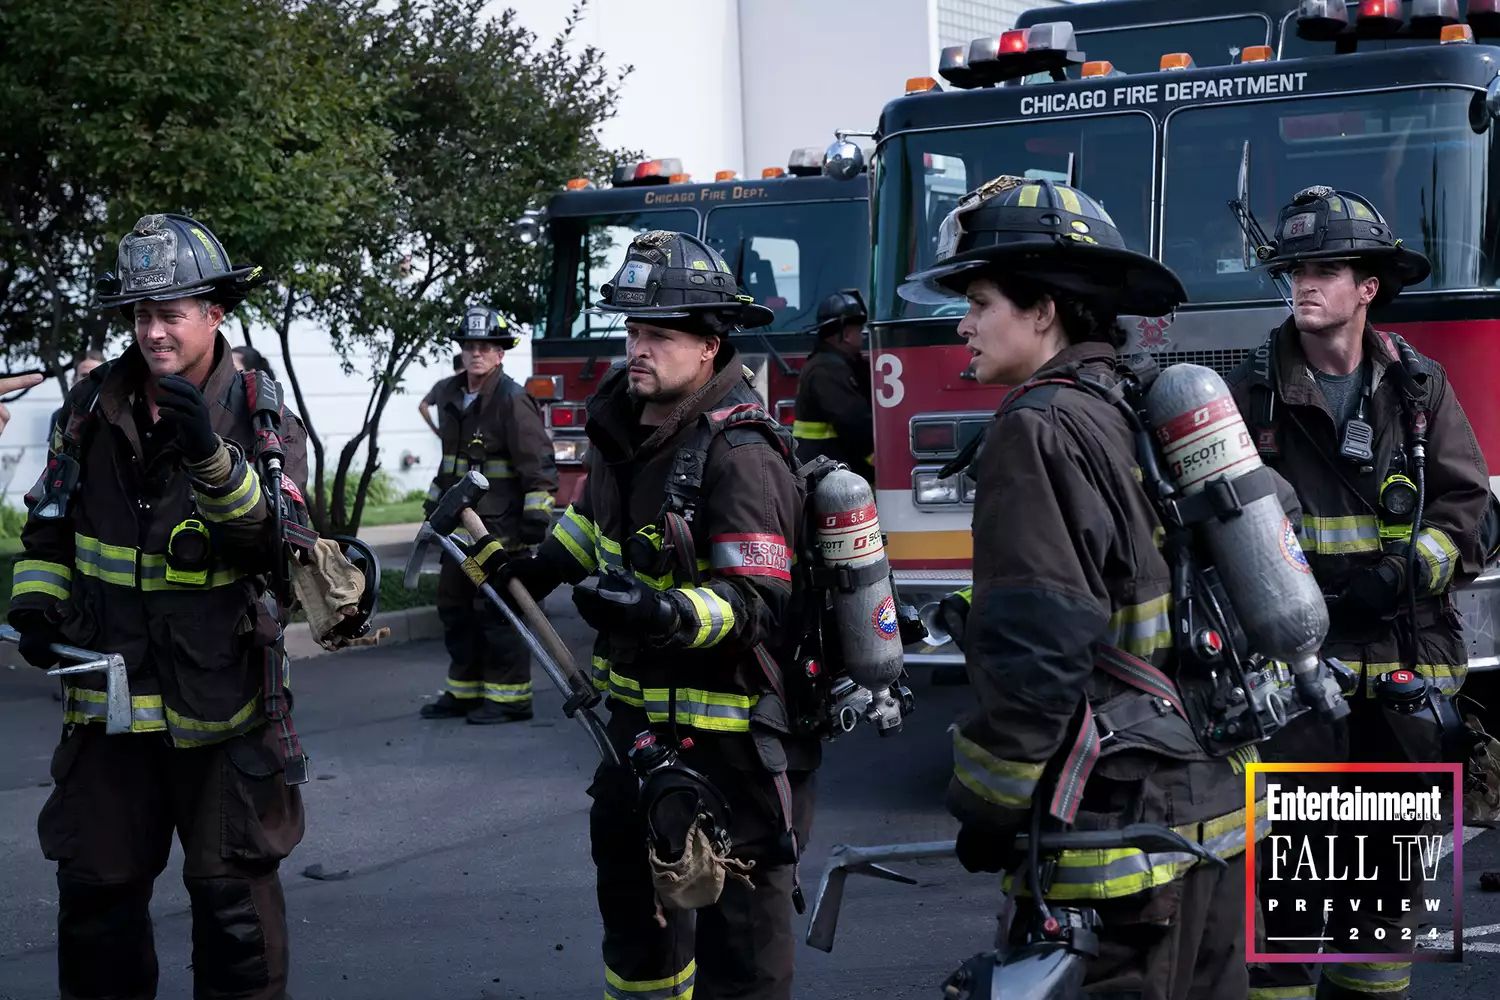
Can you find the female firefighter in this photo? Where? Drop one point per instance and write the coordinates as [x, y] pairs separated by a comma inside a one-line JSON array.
[[1072, 593]]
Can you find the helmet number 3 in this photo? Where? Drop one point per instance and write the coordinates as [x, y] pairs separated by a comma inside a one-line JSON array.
[[889, 391]]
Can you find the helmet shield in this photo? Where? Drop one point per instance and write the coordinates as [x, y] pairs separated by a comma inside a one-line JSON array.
[[1052, 233], [667, 275]]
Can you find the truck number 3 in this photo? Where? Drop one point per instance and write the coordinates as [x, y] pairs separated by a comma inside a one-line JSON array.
[[889, 391]]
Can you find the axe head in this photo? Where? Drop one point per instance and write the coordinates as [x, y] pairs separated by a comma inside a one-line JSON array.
[[465, 493], [418, 556]]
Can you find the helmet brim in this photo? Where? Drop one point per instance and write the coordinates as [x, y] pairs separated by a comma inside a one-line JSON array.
[[1397, 267], [744, 314], [1126, 282], [228, 290]]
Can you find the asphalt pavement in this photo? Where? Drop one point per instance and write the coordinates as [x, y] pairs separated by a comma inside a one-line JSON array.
[[456, 865]]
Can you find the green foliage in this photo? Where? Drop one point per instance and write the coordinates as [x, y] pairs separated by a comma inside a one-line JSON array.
[[12, 520], [414, 496], [395, 597]]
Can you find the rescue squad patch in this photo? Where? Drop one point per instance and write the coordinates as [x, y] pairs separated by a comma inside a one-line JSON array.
[[884, 618], [751, 555], [1291, 549]]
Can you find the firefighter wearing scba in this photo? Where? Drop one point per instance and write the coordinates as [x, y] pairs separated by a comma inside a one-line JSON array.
[[679, 551], [1330, 401], [834, 416], [487, 422], [1071, 594], [162, 554]]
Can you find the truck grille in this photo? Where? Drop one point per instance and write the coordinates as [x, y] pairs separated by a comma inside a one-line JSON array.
[[1223, 361]]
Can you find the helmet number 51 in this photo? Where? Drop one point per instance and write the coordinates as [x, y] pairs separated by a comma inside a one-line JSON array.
[[888, 388]]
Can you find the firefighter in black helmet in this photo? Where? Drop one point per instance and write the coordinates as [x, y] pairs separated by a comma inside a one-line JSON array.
[[487, 422], [1071, 594], [679, 550], [834, 416], [1331, 402], [163, 553]]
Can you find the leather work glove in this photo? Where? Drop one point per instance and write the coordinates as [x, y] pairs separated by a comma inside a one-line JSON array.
[[535, 526], [953, 614], [181, 404], [1373, 592], [485, 557], [987, 848], [616, 603], [534, 572], [38, 633]]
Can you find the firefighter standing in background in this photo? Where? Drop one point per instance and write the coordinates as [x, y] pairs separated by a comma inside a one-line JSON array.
[[162, 555], [834, 416], [1324, 398], [682, 605], [488, 423], [1071, 593]]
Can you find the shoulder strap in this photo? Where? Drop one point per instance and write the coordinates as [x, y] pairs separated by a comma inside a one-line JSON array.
[[78, 414], [1262, 416]]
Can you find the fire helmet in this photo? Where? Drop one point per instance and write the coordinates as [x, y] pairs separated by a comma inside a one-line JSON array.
[[840, 308], [485, 324], [678, 278], [1049, 233], [1324, 224], [174, 257], [365, 560]]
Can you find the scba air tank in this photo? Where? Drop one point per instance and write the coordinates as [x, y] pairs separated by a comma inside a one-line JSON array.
[[1270, 585], [864, 609]]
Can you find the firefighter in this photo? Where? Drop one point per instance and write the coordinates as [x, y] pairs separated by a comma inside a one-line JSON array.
[[834, 416], [487, 422], [1071, 593], [1330, 403], [162, 554], [679, 552]]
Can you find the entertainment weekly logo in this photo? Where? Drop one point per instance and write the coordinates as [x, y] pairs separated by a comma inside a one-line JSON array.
[[1336, 882]]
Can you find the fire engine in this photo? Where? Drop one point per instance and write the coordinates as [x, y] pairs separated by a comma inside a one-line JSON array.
[[1167, 112], [792, 237]]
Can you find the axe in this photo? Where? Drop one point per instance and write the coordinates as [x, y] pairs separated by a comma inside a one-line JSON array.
[[112, 665], [455, 509]]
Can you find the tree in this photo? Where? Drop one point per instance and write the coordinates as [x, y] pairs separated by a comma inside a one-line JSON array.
[[483, 123], [249, 115]]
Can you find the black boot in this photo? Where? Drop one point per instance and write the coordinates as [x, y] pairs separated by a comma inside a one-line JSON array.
[[448, 707], [492, 712]]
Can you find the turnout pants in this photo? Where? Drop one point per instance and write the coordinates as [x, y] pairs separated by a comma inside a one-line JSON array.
[[1185, 941], [741, 947], [487, 659], [108, 824], [1363, 736]]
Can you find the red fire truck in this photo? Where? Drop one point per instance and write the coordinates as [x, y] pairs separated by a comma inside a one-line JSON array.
[[1166, 112], [791, 237]]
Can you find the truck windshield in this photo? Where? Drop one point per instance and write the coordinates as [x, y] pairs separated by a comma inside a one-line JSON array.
[[1413, 153], [790, 256], [588, 251], [922, 175]]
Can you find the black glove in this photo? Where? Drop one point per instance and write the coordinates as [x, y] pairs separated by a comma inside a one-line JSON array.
[[1373, 592], [38, 633], [534, 572], [535, 526], [988, 848], [182, 405], [953, 614], [485, 557], [428, 506], [616, 603]]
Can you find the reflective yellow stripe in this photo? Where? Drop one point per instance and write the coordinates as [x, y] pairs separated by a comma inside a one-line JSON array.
[[1283, 992], [449, 463], [1029, 195], [110, 563], [473, 566], [674, 987], [497, 468], [1343, 535], [1370, 977], [1441, 556], [576, 533], [813, 430], [1069, 198], [236, 502], [712, 711], [507, 694], [37, 576], [538, 500], [154, 576], [714, 616], [85, 705], [463, 689], [1007, 783], [1142, 629]]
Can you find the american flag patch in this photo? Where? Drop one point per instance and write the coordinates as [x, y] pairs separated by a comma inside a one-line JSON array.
[[751, 555]]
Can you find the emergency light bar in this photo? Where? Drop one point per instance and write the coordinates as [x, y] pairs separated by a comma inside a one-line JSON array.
[[805, 162], [1456, 34], [1380, 18], [1484, 16], [1430, 17], [659, 171], [953, 66], [1042, 48], [726, 175], [922, 85], [1322, 20], [578, 184]]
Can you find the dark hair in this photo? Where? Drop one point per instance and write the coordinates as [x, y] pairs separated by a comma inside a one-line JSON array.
[[1082, 321], [253, 360], [93, 355], [458, 361]]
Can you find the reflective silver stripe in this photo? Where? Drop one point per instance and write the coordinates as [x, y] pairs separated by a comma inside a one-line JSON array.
[[84, 705], [507, 694], [680, 985], [1369, 977], [1440, 556], [707, 710], [36, 576], [1008, 783], [712, 618], [110, 563], [497, 468], [448, 464], [1142, 629], [538, 500]]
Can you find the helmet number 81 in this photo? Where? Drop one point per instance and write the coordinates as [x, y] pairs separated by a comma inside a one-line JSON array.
[[889, 390]]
